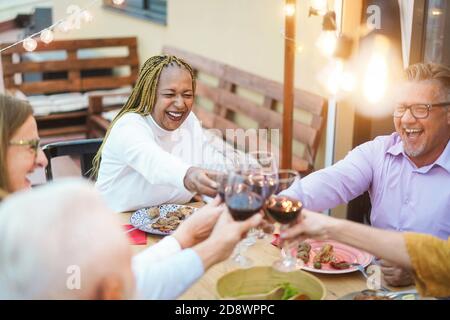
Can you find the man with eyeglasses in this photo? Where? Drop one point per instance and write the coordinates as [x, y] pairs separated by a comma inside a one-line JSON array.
[[407, 173]]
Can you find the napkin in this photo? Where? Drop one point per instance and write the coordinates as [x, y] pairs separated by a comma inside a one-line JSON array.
[[276, 240], [136, 236]]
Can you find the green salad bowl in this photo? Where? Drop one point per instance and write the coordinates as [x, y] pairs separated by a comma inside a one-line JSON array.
[[266, 283]]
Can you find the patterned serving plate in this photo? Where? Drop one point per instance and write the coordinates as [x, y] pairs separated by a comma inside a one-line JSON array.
[[141, 220]]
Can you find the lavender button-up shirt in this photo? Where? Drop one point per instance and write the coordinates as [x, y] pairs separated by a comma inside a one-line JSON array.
[[403, 197]]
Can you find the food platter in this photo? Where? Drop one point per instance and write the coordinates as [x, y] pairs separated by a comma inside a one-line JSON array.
[[340, 253], [381, 295], [161, 220]]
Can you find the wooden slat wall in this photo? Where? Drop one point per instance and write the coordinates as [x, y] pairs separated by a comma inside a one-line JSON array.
[[228, 104], [71, 122], [73, 66]]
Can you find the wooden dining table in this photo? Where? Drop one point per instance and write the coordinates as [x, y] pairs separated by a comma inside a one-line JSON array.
[[262, 253]]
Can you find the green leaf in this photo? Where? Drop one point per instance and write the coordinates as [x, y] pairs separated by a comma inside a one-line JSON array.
[[289, 290]]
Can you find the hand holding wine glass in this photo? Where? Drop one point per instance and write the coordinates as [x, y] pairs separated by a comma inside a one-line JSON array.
[[243, 199], [228, 162], [265, 173], [285, 211]]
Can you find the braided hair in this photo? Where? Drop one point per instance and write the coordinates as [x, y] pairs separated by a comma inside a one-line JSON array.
[[144, 95]]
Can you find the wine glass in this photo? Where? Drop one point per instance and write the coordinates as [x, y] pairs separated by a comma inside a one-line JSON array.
[[225, 160], [285, 211], [264, 167], [263, 163], [286, 178], [243, 199]]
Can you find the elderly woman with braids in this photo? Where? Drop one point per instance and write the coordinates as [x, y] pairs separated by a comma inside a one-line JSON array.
[[153, 150]]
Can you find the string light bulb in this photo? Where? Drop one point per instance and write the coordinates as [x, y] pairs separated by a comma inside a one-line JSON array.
[[29, 44], [337, 78], [47, 36], [87, 16], [319, 7], [74, 18], [64, 26], [348, 81], [76, 15], [376, 75], [118, 2], [289, 10], [436, 12], [327, 43]]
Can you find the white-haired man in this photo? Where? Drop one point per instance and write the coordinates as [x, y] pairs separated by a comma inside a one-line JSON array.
[[61, 241]]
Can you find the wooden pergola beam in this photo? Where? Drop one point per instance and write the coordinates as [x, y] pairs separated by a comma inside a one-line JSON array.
[[289, 66]]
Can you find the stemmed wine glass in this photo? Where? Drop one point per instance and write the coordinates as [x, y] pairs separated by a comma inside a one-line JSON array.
[[285, 211], [264, 163], [243, 199], [265, 169], [228, 161]]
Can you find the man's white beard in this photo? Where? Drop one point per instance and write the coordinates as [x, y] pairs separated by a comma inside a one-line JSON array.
[[414, 152]]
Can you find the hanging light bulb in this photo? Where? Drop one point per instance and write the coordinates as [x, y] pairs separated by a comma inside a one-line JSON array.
[[87, 16], [118, 2], [333, 78], [64, 26], [375, 79], [47, 36], [376, 75], [337, 79], [348, 81], [319, 7], [327, 43], [29, 44], [289, 10]]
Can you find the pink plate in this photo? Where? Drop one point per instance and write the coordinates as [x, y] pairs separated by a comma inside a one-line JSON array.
[[341, 252]]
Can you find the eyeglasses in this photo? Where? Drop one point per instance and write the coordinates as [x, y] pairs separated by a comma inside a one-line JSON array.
[[34, 144], [418, 110]]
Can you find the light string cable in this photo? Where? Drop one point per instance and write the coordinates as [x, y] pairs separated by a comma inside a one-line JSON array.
[[74, 14]]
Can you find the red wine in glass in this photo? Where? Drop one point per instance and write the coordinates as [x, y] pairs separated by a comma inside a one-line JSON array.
[[265, 185], [283, 209], [243, 205], [221, 180]]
